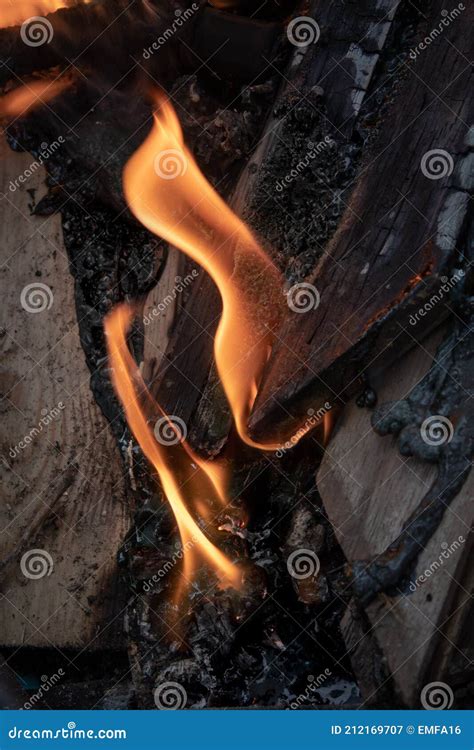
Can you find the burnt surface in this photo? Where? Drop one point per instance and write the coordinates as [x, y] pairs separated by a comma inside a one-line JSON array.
[[274, 644], [383, 262], [277, 642], [435, 424]]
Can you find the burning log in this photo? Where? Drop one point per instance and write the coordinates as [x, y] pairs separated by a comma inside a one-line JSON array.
[[236, 588], [315, 103], [393, 250], [90, 34]]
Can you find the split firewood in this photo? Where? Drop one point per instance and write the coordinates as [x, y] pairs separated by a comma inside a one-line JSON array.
[[63, 489], [395, 245], [410, 520], [316, 107]]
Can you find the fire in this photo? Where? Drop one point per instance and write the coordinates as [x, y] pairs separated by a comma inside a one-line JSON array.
[[167, 193], [33, 94], [14, 12], [186, 479]]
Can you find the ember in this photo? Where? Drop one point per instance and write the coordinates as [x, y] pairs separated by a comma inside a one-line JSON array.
[[13, 12]]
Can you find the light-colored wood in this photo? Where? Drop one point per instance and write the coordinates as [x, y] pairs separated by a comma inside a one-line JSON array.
[[369, 490], [64, 490]]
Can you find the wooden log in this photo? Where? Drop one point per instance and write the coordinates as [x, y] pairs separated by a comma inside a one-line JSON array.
[[181, 384], [394, 246], [78, 36], [64, 489], [367, 510]]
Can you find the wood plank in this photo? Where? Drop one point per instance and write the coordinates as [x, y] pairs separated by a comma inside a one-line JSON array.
[[396, 241], [63, 484], [369, 491]]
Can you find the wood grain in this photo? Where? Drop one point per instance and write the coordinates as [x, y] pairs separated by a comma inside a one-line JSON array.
[[396, 241], [369, 491], [64, 490]]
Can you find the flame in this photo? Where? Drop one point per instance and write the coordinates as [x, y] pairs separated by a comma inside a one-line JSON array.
[[183, 475], [24, 98], [167, 193], [14, 12]]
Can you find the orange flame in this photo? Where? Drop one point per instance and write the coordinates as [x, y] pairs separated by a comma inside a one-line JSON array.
[[167, 193], [13, 12], [175, 461], [24, 98]]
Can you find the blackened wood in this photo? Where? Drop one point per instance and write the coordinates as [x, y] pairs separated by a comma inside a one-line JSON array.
[[394, 246], [81, 35], [355, 30]]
